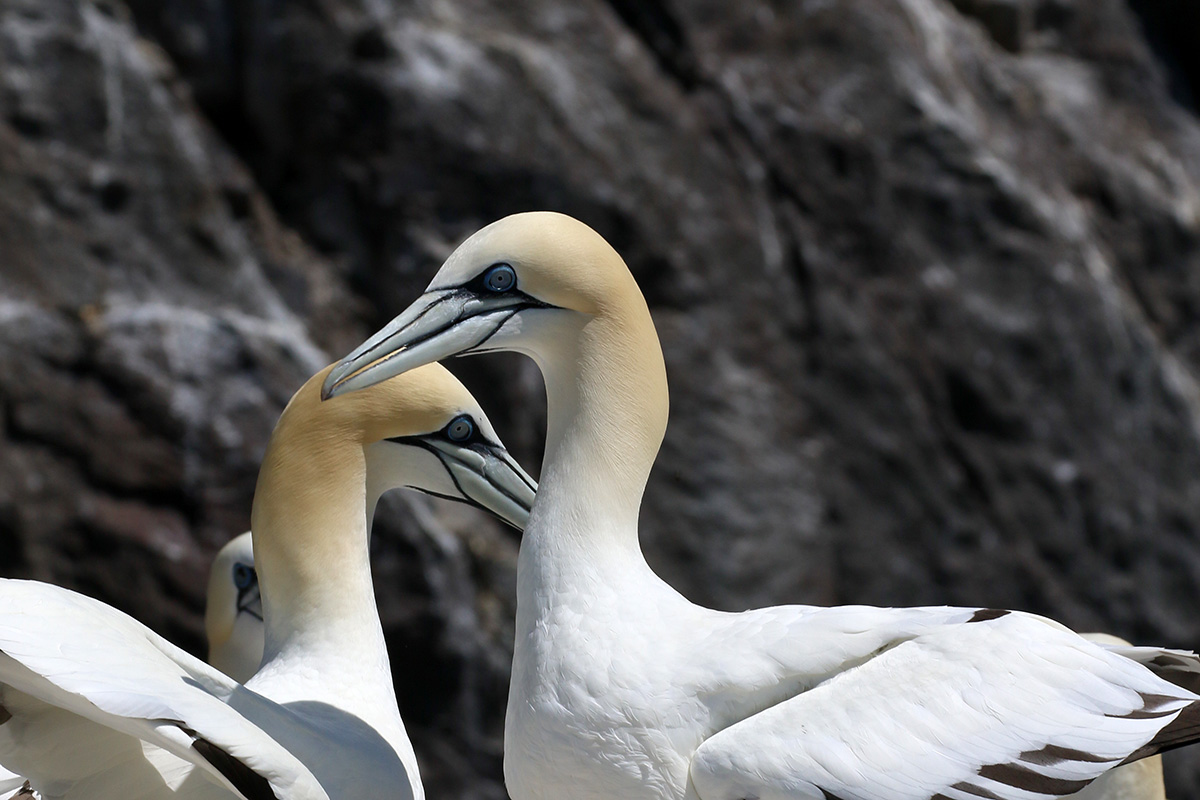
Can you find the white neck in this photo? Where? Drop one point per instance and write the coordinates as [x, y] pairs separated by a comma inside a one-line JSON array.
[[324, 641], [607, 409]]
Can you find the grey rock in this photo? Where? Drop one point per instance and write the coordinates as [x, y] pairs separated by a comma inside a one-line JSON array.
[[924, 271]]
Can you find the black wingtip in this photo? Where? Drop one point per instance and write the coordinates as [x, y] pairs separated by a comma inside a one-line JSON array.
[[1022, 777], [1177, 668], [252, 785], [249, 783], [1183, 730]]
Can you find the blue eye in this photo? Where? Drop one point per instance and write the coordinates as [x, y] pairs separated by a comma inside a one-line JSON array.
[[460, 429], [499, 278], [243, 575]]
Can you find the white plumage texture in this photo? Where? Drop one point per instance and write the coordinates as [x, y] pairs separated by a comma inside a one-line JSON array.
[[89, 760], [1041, 713], [85, 697]]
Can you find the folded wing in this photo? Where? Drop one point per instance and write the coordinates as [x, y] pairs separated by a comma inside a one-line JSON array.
[[1007, 708]]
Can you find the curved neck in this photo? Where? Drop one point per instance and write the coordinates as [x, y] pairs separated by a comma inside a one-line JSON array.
[[606, 389], [324, 641]]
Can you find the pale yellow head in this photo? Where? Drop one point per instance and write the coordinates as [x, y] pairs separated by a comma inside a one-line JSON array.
[[523, 283], [557, 260], [548, 286], [424, 431]]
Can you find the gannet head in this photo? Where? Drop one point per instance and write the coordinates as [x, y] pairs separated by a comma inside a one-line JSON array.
[[233, 616], [424, 431], [514, 285]]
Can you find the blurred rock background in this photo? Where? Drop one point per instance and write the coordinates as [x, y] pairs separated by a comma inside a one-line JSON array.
[[927, 274]]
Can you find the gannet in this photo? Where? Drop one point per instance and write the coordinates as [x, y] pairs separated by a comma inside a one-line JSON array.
[[233, 616], [233, 621], [87, 693], [623, 688]]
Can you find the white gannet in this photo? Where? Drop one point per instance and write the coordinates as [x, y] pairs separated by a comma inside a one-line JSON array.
[[233, 617], [622, 688], [89, 697]]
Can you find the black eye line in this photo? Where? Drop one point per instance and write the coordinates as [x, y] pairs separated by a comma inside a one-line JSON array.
[[478, 441], [466, 497]]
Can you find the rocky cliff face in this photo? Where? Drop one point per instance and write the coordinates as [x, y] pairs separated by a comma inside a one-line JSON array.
[[925, 273]]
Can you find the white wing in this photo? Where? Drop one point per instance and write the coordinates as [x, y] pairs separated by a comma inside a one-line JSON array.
[[75, 670], [1008, 707], [10, 783]]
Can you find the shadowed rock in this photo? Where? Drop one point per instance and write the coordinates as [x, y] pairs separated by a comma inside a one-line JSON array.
[[924, 273]]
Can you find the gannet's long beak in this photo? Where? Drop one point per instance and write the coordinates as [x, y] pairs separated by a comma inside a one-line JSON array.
[[483, 475], [441, 323]]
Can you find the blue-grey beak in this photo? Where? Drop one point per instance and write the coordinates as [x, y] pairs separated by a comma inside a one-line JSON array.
[[440, 324], [483, 475]]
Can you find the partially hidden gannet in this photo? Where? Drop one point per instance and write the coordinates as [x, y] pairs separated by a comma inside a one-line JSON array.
[[233, 616], [622, 688], [89, 698], [233, 625]]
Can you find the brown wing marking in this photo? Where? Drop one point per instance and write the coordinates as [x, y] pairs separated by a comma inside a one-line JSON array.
[[1022, 777], [1183, 730], [1053, 754]]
